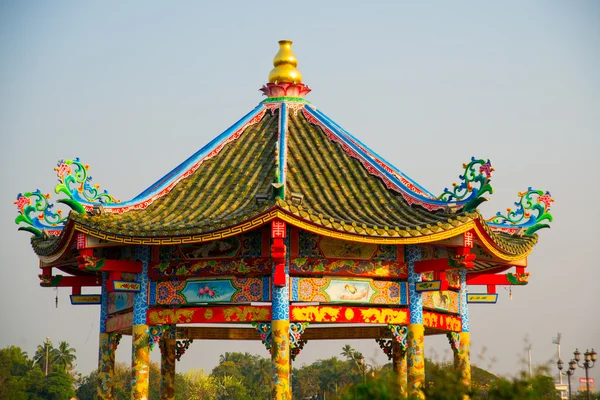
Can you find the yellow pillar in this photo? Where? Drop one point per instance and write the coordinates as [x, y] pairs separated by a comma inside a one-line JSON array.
[[415, 358], [280, 358], [106, 367], [140, 364], [399, 365], [462, 358], [167, 369]]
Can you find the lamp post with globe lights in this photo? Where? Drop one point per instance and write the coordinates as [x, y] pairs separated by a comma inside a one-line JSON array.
[[569, 372], [589, 359]]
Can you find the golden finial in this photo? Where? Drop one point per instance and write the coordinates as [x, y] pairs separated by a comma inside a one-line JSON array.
[[285, 65]]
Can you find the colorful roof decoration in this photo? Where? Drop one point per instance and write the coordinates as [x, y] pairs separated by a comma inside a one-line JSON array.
[[285, 159]]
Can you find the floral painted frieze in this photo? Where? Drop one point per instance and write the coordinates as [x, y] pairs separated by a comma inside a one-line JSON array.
[[199, 291], [331, 290]]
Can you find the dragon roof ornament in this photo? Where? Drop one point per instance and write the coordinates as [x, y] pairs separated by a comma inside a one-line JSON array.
[[531, 214], [36, 211]]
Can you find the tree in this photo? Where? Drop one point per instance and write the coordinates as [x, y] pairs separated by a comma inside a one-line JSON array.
[[198, 385], [64, 356], [14, 365], [44, 355], [348, 352]]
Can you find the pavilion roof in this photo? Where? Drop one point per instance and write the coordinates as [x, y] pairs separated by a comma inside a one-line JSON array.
[[286, 159]]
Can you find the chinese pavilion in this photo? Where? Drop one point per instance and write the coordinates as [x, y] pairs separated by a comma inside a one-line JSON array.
[[289, 228]]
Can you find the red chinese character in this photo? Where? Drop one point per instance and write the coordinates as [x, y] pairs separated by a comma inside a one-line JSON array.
[[468, 239], [278, 229]]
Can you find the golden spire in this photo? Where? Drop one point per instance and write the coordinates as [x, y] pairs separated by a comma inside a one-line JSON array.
[[285, 65]]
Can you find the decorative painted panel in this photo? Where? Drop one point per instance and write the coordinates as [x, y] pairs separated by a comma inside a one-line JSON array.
[[365, 315], [119, 322], [234, 290], [445, 301], [120, 301], [86, 299], [126, 286], [452, 276], [246, 266], [247, 245], [321, 266], [311, 245], [330, 290], [442, 321], [209, 314], [224, 248], [482, 298]]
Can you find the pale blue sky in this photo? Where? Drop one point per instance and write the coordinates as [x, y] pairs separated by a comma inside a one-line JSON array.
[[135, 88]]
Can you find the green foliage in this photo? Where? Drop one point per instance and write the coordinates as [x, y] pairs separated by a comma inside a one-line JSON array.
[[253, 371], [582, 395], [22, 378]]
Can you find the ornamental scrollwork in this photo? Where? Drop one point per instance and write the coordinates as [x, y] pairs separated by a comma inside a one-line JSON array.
[[156, 333], [74, 181], [296, 331], [532, 212], [36, 211], [181, 347], [294, 351], [399, 333], [386, 346], [264, 331], [474, 183]]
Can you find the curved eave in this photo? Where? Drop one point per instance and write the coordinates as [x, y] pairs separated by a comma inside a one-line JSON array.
[[493, 243], [484, 234], [59, 246]]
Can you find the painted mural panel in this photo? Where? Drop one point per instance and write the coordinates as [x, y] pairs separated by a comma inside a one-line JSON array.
[[452, 276], [247, 245], [311, 245], [119, 322], [442, 321], [193, 291], [332, 290], [322, 266], [364, 315], [446, 301], [120, 301], [209, 314], [225, 248], [246, 266]]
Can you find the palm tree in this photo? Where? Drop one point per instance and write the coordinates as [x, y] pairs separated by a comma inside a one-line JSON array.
[[226, 357], [264, 372], [64, 356], [348, 352], [44, 355]]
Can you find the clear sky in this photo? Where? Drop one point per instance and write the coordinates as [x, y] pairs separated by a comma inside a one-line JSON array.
[[134, 88]]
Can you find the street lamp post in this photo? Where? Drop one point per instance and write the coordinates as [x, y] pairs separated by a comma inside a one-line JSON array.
[[46, 343], [364, 365], [569, 372], [588, 363]]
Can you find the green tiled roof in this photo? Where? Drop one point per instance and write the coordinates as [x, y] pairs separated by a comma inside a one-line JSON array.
[[338, 193], [222, 192]]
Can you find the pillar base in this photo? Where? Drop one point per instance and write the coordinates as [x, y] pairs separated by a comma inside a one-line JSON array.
[[280, 358], [106, 367], [140, 363], [415, 359]]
